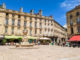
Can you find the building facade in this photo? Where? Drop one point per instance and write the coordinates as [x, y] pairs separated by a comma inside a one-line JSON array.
[[60, 33], [73, 21], [15, 22]]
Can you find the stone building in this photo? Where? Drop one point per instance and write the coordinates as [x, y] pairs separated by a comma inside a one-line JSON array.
[[15, 22], [60, 33], [73, 21]]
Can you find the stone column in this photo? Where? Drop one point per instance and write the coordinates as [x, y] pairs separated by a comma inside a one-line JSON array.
[[22, 24], [10, 24], [28, 25], [2, 23], [16, 22]]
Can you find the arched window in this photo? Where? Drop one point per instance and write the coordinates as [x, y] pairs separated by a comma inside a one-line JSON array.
[[78, 20], [77, 14]]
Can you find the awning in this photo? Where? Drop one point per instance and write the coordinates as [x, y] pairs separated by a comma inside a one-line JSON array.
[[44, 38], [75, 38], [30, 37], [15, 37]]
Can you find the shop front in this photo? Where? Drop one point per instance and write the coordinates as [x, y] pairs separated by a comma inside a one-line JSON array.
[[11, 40], [44, 41], [1, 38], [74, 41], [32, 39]]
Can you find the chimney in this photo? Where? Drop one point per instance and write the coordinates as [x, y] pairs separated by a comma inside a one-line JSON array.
[[31, 12], [4, 6], [40, 12], [21, 9]]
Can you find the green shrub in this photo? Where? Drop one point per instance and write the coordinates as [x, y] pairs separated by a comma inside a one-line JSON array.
[[11, 40], [20, 40], [4, 41]]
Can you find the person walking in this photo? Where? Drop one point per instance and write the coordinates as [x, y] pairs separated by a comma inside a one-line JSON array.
[[38, 42]]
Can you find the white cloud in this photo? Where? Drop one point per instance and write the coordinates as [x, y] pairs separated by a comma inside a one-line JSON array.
[[69, 4], [65, 26]]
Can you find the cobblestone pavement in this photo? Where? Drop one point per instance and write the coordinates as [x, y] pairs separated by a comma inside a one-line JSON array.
[[39, 53]]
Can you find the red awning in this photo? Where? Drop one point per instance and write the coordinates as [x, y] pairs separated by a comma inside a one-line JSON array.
[[75, 38]]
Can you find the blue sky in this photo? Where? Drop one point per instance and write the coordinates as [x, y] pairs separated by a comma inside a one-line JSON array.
[[56, 8]]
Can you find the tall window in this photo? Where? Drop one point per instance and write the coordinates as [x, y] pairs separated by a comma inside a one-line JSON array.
[[6, 21], [12, 30], [35, 24], [7, 14], [45, 29], [6, 29], [13, 22], [45, 22], [25, 22], [51, 22], [13, 15], [51, 30], [48, 22], [77, 14], [72, 30], [78, 20], [71, 23], [40, 20], [71, 16], [30, 32], [24, 17], [18, 16], [40, 25], [78, 29], [48, 30], [35, 18], [40, 31], [35, 31], [30, 18], [18, 22], [30, 24]]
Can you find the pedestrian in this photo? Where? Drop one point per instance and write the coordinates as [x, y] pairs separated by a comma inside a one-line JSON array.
[[38, 42]]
